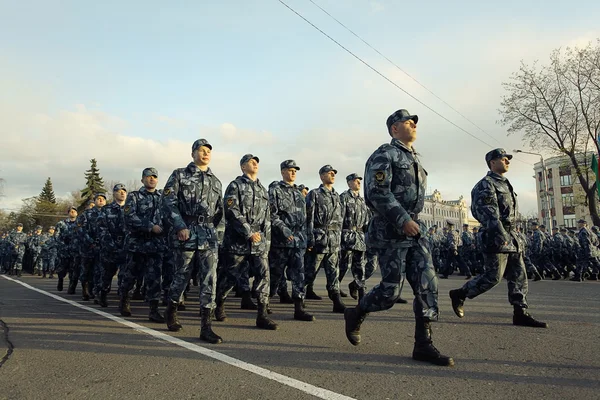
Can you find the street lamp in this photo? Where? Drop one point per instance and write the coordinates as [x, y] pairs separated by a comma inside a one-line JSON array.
[[546, 191]]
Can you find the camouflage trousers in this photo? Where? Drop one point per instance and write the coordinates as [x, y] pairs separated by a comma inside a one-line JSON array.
[[355, 261], [330, 265], [497, 265], [206, 263], [17, 259], [142, 263], [168, 269], [91, 272], [287, 262], [453, 260], [69, 264], [110, 266], [49, 264], [416, 264], [236, 265], [37, 262]]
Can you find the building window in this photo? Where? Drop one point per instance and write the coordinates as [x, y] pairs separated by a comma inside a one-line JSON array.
[[551, 201], [568, 199], [566, 180], [570, 221]]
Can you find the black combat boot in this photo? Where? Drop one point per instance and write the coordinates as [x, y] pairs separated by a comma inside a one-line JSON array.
[[536, 276], [19, 272], [137, 293], [400, 300], [342, 293], [353, 289], [103, 301], [39, 272], [171, 317], [85, 294], [458, 297], [72, 287], [44, 274], [125, 306], [51, 276], [181, 306], [361, 293], [424, 349], [338, 304], [206, 332], [262, 319], [59, 284], [165, 299], [300, 313], [220, 311], [354, 317], [311, 295], [285, 298], [522, 318], [154, 315], [247, 303]]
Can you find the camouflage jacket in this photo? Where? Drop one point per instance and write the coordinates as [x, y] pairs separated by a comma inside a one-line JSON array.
[[288, 216], [356, 221], [17, 241], [49, 246], [65, 237], [143, 210], [35, 243], [586, 250], [324, 216], [548, 248], [87, 223], [112, 231], [558, 244], [193, 200], [468, 240], [453, 241], [246, 212], [537, 242], [395, 184], [494, 205]]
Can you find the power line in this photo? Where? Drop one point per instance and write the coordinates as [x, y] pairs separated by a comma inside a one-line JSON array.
[[386, 78]]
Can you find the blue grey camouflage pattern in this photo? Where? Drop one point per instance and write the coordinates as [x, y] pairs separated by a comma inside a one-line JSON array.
[[112, 231], [354, 226]]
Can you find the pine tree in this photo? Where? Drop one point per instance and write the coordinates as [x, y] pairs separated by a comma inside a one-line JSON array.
[[47, 194], [93, 185]]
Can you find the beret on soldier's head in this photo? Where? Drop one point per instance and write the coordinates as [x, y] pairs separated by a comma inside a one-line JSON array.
[[534, 223], [327, 168], [150, 171], [581, 221], [289, 164], [352, 177], [543, 226], [38, 228], [400, 115], [248, 157], [199, 143], [20, 224], [51, 227], [495, 154]]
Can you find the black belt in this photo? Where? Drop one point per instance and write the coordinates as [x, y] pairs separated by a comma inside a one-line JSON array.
[[197, 219]]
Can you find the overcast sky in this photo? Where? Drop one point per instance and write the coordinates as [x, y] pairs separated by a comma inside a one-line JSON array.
[[134, 83]]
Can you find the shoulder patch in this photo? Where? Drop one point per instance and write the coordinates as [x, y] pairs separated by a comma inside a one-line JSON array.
[[127, 208], [379, 176], [488, 200], [167, 192]]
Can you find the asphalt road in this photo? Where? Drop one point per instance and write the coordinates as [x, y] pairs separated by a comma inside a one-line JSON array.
[[62, 351]]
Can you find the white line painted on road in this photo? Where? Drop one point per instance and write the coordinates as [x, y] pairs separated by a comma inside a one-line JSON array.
[[265, 373]]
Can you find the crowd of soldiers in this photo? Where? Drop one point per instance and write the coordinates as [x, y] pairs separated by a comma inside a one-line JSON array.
[[158, 242], [565, 254]]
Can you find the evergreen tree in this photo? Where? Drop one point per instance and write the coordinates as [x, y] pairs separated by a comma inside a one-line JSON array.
[[93, 185], [47, 194]]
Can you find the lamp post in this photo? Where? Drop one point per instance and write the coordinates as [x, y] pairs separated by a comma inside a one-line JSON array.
[[546, 191]]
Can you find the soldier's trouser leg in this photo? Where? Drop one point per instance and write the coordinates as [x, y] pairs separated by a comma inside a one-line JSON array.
[[416, 264], [243, 282], [207, 261], [358, 267], [109, 269], [496, 264], [63, 266], [19, 260], [98, 269], [448, 267], [75, 268], [259, 268], [277, 264], [168, 268], [345, 262], [152, 264], [462, 265], [311, 267], [234, 266], [184, 264], [130, 273], [371, 265], [294, 259], [87, 269]]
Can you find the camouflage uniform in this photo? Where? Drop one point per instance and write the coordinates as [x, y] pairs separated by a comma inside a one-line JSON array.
[[587, 253], [144, 248], [35, 247], [354, 226], [288, 219], [112, 234], [68, 250], [192, 200], [395, 184], [494, 205], [467, 250], [17, 241], [324, 214], [49, 253], [453, 243], [246, 211], [89, 249]]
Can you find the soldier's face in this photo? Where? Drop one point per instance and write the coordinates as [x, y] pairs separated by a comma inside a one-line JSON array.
[[354, 185], [289, 175], [202, 156], [500, 165], [150, 182], [51, 231], [405, 131], [72, 213], [19, 229], [100, 202], [120, 195], [328, 178], [250, 167]]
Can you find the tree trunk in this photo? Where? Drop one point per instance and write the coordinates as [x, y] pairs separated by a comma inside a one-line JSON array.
[[593, 205]]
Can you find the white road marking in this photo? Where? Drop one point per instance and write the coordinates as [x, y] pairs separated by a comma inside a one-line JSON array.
[[265, 373]]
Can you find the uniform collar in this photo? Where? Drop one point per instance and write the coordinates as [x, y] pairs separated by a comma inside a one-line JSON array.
[[322, 187], [192, 167], [496, 176], [397, 143]]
